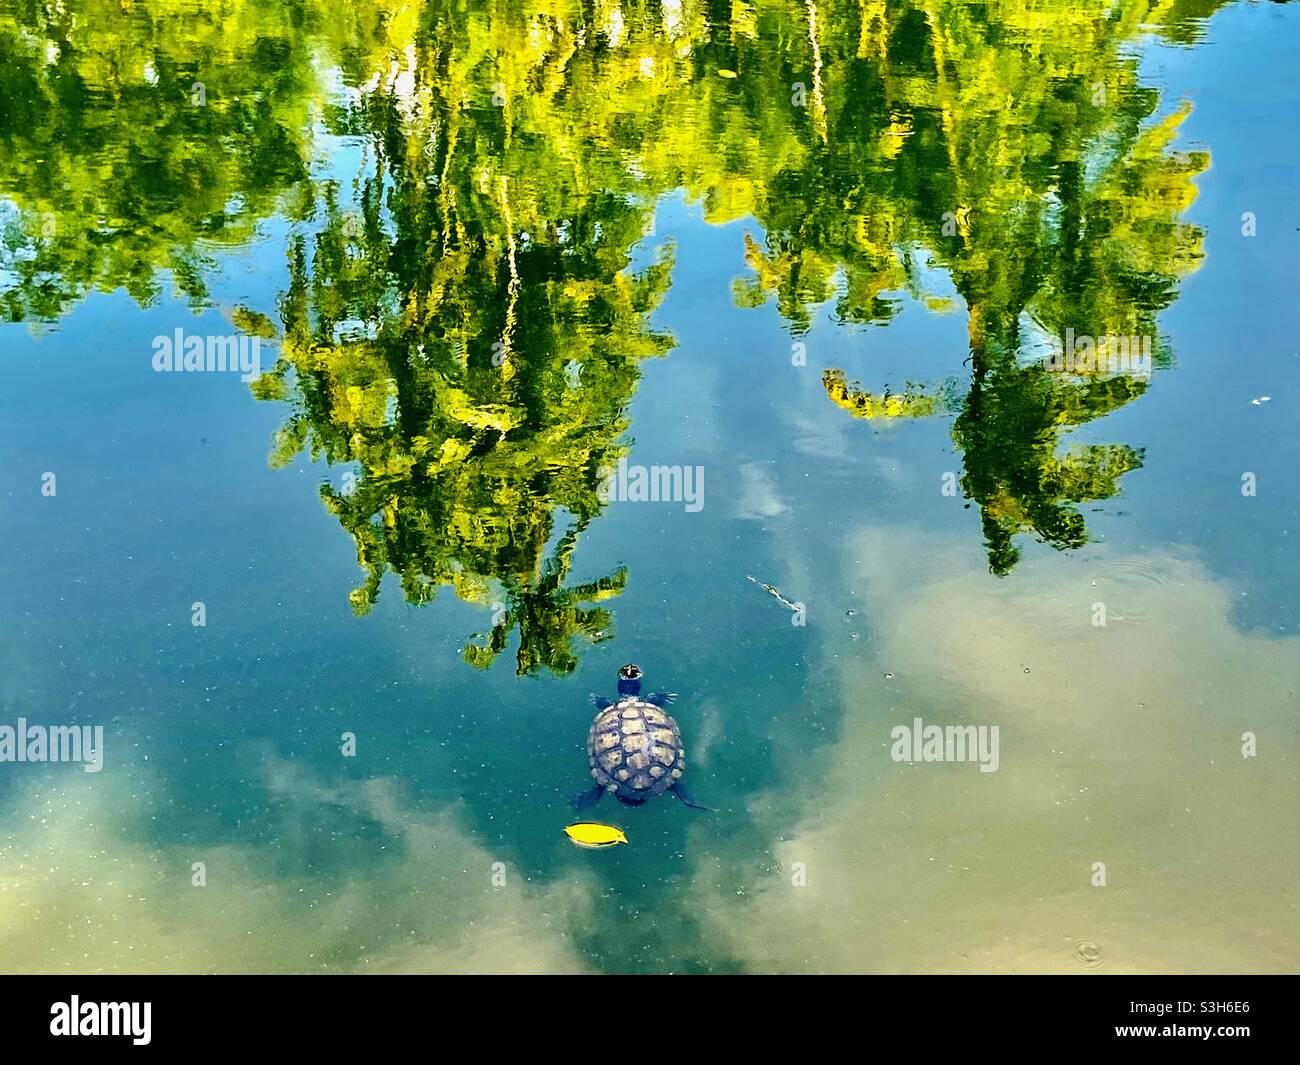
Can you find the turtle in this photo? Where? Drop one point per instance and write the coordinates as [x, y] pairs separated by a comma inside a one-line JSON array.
[[635, 747]]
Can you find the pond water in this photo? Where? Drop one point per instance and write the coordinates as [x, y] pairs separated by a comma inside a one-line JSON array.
[[961, 337]]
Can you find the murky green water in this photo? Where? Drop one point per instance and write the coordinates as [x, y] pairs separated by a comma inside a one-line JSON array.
[[824, 258]]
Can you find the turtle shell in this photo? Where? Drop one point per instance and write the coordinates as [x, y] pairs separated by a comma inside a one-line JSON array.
[[635, 750]]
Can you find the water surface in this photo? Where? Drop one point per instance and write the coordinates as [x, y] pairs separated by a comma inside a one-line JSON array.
[[825, 253]]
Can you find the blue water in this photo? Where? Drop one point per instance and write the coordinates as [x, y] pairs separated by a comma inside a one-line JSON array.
[[439, 844]]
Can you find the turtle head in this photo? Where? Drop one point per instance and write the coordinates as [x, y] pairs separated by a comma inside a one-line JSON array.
[[629, 680]]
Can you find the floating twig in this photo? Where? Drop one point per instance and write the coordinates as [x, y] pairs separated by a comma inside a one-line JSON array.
[[774, 593]]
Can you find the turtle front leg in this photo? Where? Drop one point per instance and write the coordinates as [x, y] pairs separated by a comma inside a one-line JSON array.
[[587, 798], [600, 702], [661, 698]]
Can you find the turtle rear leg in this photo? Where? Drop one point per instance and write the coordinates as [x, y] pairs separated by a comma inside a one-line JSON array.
[[587, 798], [686, 797]]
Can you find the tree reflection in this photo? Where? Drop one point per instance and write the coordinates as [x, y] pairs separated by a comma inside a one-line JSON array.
[[138, 139], [1012, 147], [463, 327], [469, 333]]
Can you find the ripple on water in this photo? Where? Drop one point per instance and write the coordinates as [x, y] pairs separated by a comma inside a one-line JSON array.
[[1137, 573], [1087, 953], [1147, 569]]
